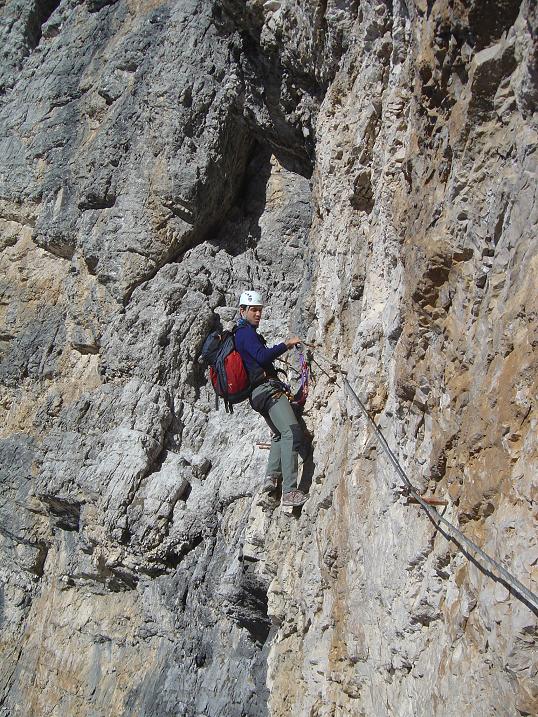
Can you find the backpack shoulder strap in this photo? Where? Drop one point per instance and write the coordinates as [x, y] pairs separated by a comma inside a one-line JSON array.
[[235, 330]]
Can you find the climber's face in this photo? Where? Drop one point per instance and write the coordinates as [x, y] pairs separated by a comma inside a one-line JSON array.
[[253, 315]]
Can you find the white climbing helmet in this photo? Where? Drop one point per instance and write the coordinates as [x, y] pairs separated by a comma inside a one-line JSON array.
[[251, 298]]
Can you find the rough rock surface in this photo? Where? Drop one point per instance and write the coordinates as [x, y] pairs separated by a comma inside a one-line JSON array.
[[370, 166]]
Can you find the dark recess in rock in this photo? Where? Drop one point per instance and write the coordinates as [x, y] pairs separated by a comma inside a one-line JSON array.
[[247, 604], [42, 10], [96, 5], [66, 513], [489, 19]]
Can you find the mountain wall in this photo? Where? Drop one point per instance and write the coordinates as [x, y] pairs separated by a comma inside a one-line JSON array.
[[371, 168]]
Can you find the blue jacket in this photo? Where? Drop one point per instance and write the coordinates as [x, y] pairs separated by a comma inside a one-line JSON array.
[[257, 357]]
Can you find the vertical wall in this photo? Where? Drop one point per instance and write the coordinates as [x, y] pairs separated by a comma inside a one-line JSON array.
[[371, 167]]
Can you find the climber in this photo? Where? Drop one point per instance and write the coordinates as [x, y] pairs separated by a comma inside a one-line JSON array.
[[270, 400]]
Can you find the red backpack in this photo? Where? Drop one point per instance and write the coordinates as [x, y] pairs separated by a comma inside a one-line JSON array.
[[226, 369]]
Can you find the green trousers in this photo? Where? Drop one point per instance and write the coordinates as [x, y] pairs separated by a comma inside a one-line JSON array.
[[287, 441]]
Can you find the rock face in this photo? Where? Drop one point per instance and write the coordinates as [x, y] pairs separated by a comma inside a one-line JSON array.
[[371, 167]]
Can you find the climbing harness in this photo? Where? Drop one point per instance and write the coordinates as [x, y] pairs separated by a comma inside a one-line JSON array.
[[468, 547]]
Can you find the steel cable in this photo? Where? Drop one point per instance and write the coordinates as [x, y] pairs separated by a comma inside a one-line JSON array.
[[503, 575]]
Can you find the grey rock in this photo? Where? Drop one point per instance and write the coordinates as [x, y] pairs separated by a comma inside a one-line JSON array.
[[371, 169]]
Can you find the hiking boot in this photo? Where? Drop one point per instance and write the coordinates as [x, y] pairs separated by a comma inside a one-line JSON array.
[[294, 498], [270, 483]]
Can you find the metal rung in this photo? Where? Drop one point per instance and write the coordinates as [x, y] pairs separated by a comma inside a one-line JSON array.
[[429, 501]]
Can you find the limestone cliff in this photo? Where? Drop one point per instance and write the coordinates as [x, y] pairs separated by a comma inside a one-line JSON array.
[[370, 166]]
